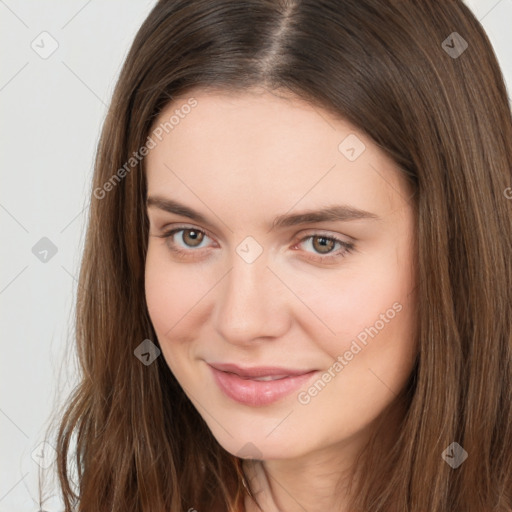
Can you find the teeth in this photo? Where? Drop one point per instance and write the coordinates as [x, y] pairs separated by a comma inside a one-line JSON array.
[[270, 377]]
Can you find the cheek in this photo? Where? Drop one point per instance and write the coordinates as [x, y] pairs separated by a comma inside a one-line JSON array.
[[160, 287], [374, 318], [372, 312], [176, 297], [357, 302], [371, 354], [168, 297], [171, 289], [170, 293]]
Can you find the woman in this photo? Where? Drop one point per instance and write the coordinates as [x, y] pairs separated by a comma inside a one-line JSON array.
[[296, 291]]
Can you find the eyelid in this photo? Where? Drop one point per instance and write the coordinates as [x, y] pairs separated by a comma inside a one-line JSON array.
[[347, 247], [327, 234], [167, 230]]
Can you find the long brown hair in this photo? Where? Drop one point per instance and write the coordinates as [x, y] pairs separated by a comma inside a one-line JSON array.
[[401, 72]]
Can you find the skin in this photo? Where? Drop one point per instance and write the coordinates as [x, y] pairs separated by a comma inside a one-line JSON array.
[[241, 160]]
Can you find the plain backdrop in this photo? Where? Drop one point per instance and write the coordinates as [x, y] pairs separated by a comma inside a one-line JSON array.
[[60, 61]]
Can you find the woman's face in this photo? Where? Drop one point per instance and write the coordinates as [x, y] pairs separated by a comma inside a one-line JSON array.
[[292, 259]]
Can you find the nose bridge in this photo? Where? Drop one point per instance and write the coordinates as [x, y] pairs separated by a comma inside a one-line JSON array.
[[250, 304]]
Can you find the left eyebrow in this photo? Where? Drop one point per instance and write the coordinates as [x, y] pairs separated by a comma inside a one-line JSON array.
[[329, 214]]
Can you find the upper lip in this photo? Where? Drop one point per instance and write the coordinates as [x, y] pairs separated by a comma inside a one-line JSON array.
[[257, 371]]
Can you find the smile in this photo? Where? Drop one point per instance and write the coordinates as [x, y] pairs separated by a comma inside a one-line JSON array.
[[264, 386]]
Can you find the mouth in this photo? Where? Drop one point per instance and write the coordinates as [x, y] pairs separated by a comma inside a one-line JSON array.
[[258, 386]]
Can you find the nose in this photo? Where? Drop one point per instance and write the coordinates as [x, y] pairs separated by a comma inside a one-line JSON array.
[[252, 303]]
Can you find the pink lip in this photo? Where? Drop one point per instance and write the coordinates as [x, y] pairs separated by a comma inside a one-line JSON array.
[[238, 384]]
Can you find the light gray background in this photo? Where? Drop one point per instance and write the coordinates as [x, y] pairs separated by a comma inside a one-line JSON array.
[[52, 110]]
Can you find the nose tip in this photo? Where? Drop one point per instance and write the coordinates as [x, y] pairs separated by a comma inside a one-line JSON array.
[[251, 303]]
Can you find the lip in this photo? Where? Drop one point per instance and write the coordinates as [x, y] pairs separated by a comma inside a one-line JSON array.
[[238, 383]]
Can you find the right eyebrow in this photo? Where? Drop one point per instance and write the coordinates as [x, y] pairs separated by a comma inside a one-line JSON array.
[[171, 206]]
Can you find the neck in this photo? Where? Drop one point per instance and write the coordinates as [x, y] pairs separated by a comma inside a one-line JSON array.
[[314, 483]]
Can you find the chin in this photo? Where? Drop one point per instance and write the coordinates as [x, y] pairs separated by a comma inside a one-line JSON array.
[[261, 449]]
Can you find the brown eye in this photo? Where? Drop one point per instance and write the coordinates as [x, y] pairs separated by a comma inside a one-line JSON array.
[[184, 240], [192, 237], [326, 249], [323, 244]]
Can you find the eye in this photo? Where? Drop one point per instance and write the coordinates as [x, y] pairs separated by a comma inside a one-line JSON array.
[[190, 238], [324, 246]]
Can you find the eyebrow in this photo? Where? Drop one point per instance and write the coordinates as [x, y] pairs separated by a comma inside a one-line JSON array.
[[330, 213]]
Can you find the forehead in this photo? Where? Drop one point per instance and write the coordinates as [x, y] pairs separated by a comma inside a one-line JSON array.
[[257, 145]]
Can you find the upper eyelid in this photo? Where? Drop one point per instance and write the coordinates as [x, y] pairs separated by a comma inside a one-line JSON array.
[[185, 228]]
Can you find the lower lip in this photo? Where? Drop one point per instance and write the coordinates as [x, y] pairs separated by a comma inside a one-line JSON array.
[[257, 392]]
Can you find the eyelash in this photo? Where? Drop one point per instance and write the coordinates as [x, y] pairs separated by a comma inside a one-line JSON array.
[[347, 247]]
